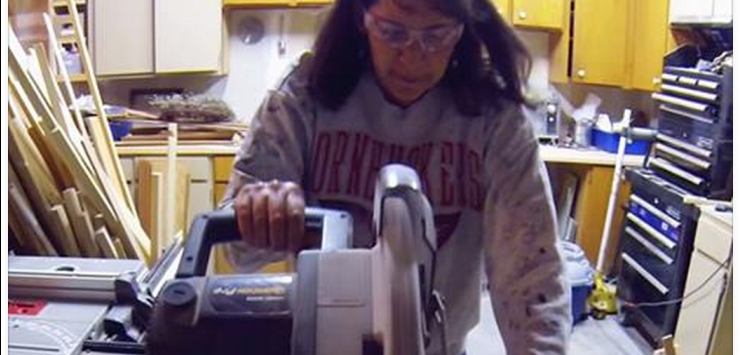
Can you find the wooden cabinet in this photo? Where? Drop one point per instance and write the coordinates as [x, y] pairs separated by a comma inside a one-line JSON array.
[[221, 173], [600, 42], [539, 14], [648, 42], [614, 42], [550, 15], [504, 8], [135, 37]]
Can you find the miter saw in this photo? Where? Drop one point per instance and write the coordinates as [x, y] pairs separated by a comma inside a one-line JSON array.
[[340, 301]]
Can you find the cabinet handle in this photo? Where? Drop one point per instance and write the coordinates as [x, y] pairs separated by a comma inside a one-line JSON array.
[[522, 15], [581, 73]]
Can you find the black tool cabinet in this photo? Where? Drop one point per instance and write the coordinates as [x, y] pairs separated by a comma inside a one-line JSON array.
[[691, 157], [655, 248], [694, 143]]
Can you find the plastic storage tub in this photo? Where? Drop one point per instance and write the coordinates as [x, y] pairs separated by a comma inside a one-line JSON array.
[[610, 143], [119, 129], [580, 276]]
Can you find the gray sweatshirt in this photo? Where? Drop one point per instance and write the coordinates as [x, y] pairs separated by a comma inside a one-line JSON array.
[[483, 176]]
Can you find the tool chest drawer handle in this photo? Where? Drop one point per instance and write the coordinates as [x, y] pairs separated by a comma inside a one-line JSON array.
[[645, 274], [652, 209], [649, 246], [650, 230], [678, 172]]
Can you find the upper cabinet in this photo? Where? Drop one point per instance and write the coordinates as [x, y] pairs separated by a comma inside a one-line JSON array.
[[550, 15], [600, 41], [539, 14], [614, 42], [504, 8], [709, 12], [145, 37]]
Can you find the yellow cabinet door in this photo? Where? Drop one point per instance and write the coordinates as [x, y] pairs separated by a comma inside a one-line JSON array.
[[600, 35], [650, 24], [504, 8], [541, 14]]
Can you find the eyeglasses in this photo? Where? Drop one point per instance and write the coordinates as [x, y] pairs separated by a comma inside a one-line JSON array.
[[398, 36]]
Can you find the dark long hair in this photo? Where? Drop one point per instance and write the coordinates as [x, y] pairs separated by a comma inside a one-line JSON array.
[[488, 65]]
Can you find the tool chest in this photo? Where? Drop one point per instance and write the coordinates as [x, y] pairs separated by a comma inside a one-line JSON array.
[[694, 143], [655, 249]]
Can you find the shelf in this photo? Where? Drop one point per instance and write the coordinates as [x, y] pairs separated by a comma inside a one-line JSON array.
[[63, 3]]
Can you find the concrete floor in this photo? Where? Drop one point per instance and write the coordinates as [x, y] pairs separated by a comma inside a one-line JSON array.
[[606, 337]]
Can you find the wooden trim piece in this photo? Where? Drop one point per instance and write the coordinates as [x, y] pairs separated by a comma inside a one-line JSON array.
[[171, 186], [108, 148], [64, 232], [156, 217], [65, 78], [23, 210], [103, 241], [81, 224], [119, 249]]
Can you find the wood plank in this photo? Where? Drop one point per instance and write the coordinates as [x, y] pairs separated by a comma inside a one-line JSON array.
[[157, 213], [105, 244], [119, 249], [170, 180], [136, 240], [65, 234], [144, 195], [116, 172], [23, 210], [81, 224], [62, 69]]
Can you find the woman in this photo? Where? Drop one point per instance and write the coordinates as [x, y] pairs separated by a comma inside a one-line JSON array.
[[434, 84]]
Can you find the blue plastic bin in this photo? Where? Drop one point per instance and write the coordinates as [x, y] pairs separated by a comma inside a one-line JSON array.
[[119, 129], [581, 278], [610, 143]]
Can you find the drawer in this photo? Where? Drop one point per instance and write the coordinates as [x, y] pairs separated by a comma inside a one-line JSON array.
[[637, 285], [222, 168], [654, 217], [658, 265], [666, 244], [714, 235]]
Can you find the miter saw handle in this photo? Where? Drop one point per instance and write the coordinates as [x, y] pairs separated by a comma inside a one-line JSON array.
[[220, 226]]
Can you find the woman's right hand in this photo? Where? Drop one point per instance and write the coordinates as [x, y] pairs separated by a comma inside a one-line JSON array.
[[271, 215]]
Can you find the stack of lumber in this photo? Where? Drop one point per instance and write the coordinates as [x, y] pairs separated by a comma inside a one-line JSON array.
[[67, 194]]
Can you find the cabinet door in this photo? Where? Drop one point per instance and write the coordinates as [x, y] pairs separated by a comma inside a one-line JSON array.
[[504, 8], [650, 23], [187, 35], [544, 14], [122, 35], [600, 42]]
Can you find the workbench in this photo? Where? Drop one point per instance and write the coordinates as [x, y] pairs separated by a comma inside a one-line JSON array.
[[593, 169]]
